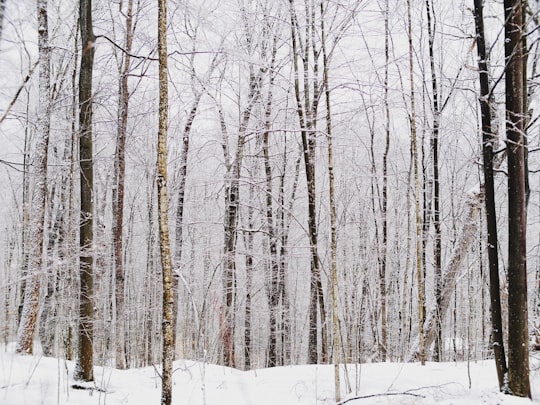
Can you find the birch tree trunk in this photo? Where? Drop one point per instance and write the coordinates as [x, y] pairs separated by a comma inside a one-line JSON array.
[[30, 310], [384, 205], [248, 241], [434, 144], [163, 208], [274, 276], [84, 368]]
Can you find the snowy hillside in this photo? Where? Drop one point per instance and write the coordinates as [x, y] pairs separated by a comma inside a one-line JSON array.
[[33, 380]]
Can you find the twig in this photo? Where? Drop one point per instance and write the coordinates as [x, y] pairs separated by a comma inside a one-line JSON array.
[[16, 96], [12, 164], [157, 371], [148, 57], [380, 395]]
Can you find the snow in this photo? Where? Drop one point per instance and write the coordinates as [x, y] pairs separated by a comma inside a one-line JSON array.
[[36, 380]]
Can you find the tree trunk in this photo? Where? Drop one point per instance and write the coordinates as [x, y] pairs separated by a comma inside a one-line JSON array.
[[2, 12], [488, 144], [451, 273], [307, 114], [248, 240], [84, 369], [163, 208], [47, 322], [274, 273], [284, 229], [333, 219], [434, 143], [518, 337], [414, 157], [30, 310], [232, 195], [384, 205], [71, 220], [118, 192]]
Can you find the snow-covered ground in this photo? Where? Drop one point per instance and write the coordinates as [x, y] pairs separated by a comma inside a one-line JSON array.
[[34, 380]]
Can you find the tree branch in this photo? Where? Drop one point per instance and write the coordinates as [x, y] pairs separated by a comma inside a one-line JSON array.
[[16, 96], [380, 395], [147, 57]]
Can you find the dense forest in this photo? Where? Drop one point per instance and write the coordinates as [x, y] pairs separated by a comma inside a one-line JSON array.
[[259, 183]]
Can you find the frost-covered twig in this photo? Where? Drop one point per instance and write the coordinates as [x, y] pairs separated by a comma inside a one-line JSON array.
[[380, 395]]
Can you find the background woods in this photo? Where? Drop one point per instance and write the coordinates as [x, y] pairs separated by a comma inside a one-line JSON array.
[[335, 181]]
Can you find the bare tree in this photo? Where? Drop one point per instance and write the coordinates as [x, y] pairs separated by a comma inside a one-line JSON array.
[[333, 215], [418, 221], [434, 145], [163, 216], [84, 369], [307, 106], [488, 145], [30, 310], [384, 205], [518, 337], [118, 190]]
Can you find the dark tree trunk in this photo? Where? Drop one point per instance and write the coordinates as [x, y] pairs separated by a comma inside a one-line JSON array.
[[488, 144], [2, 12], [518, 336], [307, 116], [84, 369]]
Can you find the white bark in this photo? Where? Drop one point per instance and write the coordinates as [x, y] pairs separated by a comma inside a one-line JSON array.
[[451, 271], [29, 316]]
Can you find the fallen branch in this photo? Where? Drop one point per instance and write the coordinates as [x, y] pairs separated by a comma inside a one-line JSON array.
[[380, 395], [452, 271], [91, 388]]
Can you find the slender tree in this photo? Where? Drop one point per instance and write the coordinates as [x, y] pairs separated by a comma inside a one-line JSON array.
[[30, 310], [2, 12], [274, 271], [307, 107], [84, 369], [384, 205], [249, 243], [118, 190], [333, 215], [488, 145], [434, 145], [163, 208], [232, 195], [183, 169], [418, 221], [518, 336]]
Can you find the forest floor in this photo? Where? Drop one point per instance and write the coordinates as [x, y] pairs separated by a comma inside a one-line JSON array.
[[34, 380]]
